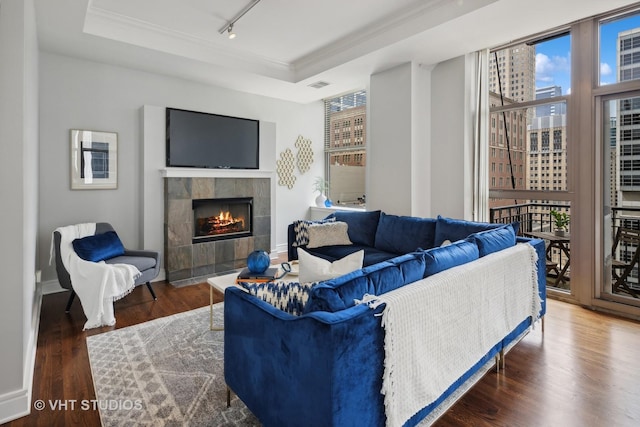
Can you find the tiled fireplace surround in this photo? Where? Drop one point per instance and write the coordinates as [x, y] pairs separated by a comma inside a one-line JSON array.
[[186, 262]]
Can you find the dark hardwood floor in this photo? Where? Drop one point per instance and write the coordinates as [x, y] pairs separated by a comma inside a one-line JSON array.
[[583, 371]]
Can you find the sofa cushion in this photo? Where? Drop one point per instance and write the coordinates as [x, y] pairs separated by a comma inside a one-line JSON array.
[[362, 225], [290, 297], [301, 230], [98, 247], [142, 263], [493, 240], [328, 234], [341, 292], [316, 269], [444, 257], [458, 229], [404, 234]]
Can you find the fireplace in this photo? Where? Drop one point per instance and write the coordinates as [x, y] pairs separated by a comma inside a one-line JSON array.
[[224, 218], [191, 260]]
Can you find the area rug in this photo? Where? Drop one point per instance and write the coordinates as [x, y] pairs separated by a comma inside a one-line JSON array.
[[165, 372]]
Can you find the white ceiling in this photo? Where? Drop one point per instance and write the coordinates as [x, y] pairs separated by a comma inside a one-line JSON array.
[[282, 46]]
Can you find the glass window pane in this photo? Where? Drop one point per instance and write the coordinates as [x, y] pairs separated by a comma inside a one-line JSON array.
[[621, 210], [530, 151], [620, 49], [345, 148]]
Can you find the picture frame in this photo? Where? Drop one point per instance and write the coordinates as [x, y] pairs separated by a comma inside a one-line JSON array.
[[94, 160]]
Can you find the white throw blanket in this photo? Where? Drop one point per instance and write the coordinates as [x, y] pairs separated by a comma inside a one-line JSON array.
[[439, 327], [97, 284]]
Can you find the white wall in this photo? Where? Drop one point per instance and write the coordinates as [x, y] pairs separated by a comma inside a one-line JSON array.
[[452, 139], [79, 94], [19, 304], [398, 144]]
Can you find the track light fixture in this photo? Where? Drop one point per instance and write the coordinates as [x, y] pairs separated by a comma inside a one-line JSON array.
[[228, 27], [232, 35]]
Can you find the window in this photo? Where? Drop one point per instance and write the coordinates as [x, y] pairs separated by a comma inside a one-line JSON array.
[[539, 76], [345, 148]]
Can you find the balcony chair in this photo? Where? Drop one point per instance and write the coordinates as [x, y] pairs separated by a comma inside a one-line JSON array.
[[627, 240], [148, 262]]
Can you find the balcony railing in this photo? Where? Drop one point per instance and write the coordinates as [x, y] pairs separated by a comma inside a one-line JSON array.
[[536, 218]]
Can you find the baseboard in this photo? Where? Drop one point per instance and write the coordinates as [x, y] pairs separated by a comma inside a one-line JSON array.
[[281, 248], [17, 403], [51, 287]]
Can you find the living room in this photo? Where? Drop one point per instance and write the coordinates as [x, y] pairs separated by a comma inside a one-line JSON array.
[[50, 90]]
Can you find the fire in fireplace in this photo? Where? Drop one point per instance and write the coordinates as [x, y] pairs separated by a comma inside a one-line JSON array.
[[215, 219]]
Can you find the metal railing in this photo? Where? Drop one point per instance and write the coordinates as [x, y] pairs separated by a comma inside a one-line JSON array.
[[531, 216], [536, 217]]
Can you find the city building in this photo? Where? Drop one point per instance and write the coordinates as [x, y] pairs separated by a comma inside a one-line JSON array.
[[550, 109], [628, 121]]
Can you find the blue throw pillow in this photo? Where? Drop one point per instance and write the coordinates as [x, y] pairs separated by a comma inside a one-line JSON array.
[[404, 234], [458, 229], [289, 297], [99, 246], [493, 240], [362, 225], [444, 257]]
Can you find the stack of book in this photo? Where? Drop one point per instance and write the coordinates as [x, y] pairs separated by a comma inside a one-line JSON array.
[[269, 275]]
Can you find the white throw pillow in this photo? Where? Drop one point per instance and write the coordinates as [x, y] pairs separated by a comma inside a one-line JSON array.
[[328, 234], [315, 269]]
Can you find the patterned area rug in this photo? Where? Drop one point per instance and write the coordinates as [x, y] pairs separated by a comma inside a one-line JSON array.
[[165, 372]]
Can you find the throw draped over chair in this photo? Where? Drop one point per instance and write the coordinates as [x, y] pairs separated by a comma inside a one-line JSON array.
[[627, 244], [148, 262]]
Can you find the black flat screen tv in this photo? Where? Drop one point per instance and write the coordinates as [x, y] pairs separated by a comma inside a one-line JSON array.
[[211, 141]]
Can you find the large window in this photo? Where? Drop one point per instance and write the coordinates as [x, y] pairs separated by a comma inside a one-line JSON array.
[[619, 53], [345, 148], [528, 87], [582, 154]]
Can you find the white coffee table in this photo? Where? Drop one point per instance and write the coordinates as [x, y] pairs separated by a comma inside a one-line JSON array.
[[221, 283]]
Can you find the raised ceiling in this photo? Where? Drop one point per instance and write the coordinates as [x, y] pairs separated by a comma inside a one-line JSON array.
[[283, 46]]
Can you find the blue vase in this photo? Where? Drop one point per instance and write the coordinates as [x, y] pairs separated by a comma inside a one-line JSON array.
[[258, 262]]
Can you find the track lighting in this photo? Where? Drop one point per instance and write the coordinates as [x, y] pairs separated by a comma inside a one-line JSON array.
[[228, 27], [232, 35]]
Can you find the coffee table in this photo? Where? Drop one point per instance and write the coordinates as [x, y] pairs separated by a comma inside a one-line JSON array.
[[220, 283]]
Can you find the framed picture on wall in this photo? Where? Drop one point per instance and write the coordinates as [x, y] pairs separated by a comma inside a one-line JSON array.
[[94, 160]]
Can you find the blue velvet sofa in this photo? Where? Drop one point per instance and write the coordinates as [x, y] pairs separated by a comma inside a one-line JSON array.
[[383, 236], [325, 367]]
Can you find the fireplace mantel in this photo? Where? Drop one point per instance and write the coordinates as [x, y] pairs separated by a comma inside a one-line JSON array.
[[215, 173]]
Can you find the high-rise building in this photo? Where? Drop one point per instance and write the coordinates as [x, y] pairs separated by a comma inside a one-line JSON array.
[[517, 66], [628, 120], [550, 109], [547, 162], [508, 132], [507, 151]]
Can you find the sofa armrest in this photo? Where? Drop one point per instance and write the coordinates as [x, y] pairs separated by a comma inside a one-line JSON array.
[[540, 247], [292, 251], [323, 368]]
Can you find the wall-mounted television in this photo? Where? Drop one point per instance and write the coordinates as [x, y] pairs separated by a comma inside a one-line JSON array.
[[212, 141]]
